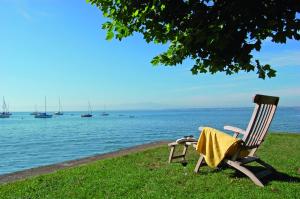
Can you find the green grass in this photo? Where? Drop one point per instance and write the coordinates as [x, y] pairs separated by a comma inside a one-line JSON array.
[[148, 175]]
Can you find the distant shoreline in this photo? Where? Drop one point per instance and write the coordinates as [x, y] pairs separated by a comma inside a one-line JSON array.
[[156, 109]]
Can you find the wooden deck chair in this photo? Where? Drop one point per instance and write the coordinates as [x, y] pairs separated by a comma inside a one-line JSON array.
[[252, 138], [265, 107]]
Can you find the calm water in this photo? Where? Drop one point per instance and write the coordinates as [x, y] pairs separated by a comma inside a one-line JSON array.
[[26, 142]]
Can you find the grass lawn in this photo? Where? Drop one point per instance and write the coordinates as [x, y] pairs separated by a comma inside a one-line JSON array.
[[148, 175]]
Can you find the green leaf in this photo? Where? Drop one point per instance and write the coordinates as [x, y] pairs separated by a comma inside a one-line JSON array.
[[109, 35], [168, 27], [155, 61], [136, 13]]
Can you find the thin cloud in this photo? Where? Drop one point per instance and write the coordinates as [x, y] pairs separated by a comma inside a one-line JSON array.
[[236, 99], [205, 87], [25, 15], [44, 14], [281, 59], [221, 100], [294, 92], [27, 12]]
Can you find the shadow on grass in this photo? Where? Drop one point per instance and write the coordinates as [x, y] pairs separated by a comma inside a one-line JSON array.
[[274, 176]]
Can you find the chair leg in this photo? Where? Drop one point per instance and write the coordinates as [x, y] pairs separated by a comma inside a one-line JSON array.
[[200, 161], [245, 171], [185, 148], [171, 153], [265, 165]]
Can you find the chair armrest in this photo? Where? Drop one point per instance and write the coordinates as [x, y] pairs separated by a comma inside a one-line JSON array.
[[236, 130]]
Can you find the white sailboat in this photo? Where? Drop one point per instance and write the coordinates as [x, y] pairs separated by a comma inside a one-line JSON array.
[[89, 114], [59, 112], [43, 115], [5, 113]]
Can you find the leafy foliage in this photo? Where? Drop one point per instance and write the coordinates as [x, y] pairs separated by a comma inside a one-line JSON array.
[[219, 35]]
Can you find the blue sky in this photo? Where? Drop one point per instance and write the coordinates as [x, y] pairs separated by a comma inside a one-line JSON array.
[[57, 49]]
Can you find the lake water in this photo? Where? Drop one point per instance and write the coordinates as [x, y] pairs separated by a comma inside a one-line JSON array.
[[27, 142]]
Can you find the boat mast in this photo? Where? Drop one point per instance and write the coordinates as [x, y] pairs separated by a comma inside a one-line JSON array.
[[4, 105], [90, 109], [59, 105], [45, 105]]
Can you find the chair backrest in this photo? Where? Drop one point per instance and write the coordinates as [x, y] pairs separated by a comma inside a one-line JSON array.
[[265, 107]]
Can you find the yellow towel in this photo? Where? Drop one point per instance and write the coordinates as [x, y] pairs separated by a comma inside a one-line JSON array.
[[215, 145]]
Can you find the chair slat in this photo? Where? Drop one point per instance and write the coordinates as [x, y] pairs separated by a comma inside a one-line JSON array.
[[263, 123], [254, 124], [260, 120], [266, 127], [257, 125], [262, 126], [250, 125]]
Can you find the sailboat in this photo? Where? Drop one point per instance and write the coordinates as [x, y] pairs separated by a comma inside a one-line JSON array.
[[104, 113], [5, 113], [9, 113], [43, 115], [59, 112], [89, 114], [35, 112]]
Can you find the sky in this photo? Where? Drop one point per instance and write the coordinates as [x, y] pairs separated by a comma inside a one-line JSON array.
[[57, 49]]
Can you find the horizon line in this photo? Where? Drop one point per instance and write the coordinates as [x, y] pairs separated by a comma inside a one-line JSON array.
[[158, 109]]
